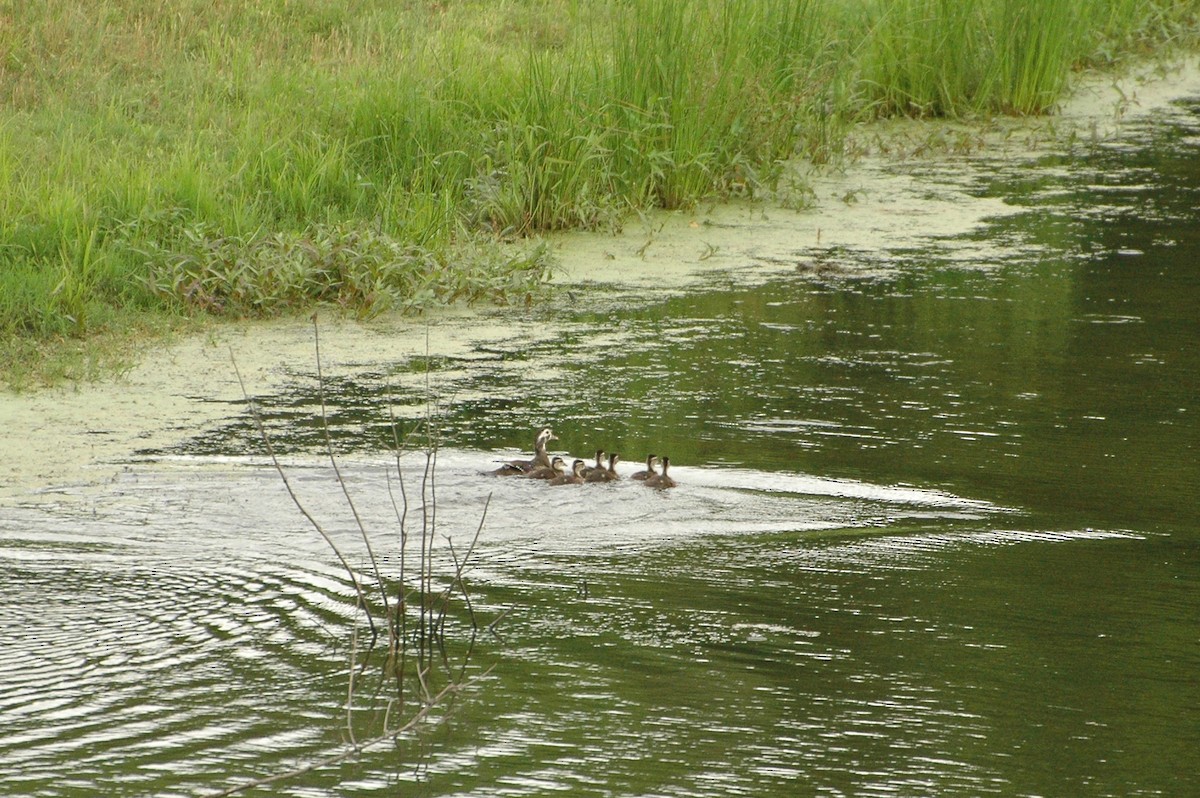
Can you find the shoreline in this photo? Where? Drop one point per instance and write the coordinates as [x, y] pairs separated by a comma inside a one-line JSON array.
[[65, 438]]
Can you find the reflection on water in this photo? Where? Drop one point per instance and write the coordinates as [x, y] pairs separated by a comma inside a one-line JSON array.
[[186, 610], [935, 535]]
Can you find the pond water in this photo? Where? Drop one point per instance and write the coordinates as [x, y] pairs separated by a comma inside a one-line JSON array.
[[935, 534]]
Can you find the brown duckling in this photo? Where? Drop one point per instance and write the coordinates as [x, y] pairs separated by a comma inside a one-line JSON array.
[[599, 466], [541, 459], [573, 478], [661, 480], [557, 467], [608, 474], [651, 459]]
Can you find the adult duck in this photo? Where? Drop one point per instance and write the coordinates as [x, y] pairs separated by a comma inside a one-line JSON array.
[[541, 458], [661, 480]]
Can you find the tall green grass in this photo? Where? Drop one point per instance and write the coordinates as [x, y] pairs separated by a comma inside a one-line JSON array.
[[261, 155], [945, 58]]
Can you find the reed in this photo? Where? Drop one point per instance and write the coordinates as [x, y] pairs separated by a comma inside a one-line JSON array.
[[147, 145], [1035, 47]]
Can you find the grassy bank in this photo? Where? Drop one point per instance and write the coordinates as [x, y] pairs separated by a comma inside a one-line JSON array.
[[167, 159]]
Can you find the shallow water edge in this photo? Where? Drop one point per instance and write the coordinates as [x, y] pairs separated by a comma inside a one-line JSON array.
[[863, 214]]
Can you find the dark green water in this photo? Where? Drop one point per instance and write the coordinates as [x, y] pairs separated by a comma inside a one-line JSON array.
[[936, 535]]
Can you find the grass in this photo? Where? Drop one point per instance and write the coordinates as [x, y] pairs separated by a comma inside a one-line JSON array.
[[171, 159]]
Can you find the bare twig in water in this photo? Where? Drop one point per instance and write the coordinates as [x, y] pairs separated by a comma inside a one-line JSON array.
[[459, 569], [398, 623], [342, 482], [433, 605], [266, 439]]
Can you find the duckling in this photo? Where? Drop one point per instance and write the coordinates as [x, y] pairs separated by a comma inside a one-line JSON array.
[[661, 480], [651, 459], [557, 467], [589, 470], [574, 478], [608, 474], [515, 468]]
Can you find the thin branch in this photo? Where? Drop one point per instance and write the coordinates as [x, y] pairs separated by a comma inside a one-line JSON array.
[[350, 683], [460, 567], [492, 627], [433, 634], [429, 632], [425, 578], [266, 439], [399, 627], [342, 482]]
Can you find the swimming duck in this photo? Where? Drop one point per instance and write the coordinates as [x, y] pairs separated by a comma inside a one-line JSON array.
[[573, 478], [607, 474], [557, 468], [515, 468], [651, 459], [661, 480], [599, 466]]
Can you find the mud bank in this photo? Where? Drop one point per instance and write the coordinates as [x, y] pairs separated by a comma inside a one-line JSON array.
[[907, 192]]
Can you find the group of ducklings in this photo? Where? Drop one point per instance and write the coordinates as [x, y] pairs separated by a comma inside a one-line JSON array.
[[554, 469]]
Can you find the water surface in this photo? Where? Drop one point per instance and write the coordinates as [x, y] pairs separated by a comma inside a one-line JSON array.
[[935, 534]]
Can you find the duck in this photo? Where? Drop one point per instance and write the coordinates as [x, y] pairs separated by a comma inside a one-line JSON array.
[[661, 480], [557, 467], [541, 459], [573, 478], [651, 459], [599, 466], [607, 474]]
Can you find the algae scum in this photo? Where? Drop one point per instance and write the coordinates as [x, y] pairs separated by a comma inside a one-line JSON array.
[[935, 532]]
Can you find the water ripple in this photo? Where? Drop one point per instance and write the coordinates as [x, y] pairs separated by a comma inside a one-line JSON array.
[[147, 653], [191, 625]]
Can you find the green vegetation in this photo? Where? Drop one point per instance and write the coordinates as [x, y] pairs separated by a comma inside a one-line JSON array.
[[257, 156]]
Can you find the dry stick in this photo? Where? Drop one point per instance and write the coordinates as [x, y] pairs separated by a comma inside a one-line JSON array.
[[428, 527], [459, 569], [396, 646], [350, 683], [430, 701], [399, 628], [342, 482], [423, 580], [491, 627], [433, 637], [266, 439], [427, 632], [366, 540], [432, 411]]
